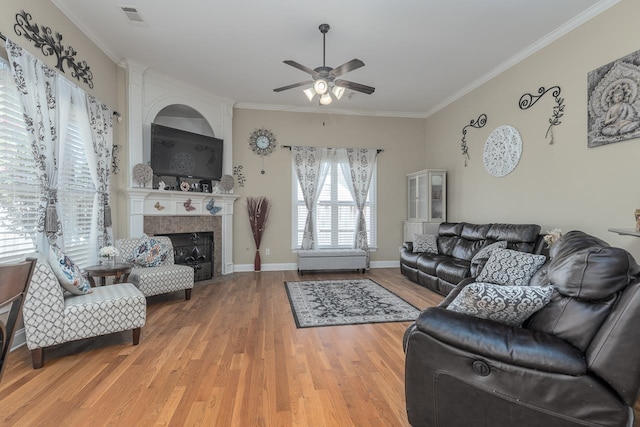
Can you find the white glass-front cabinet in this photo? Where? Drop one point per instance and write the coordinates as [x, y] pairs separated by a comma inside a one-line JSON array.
[[427, 198]]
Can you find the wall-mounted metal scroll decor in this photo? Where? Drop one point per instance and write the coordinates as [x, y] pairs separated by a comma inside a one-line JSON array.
[[528, 100], [51, 44], [477, 123], [237, 171]]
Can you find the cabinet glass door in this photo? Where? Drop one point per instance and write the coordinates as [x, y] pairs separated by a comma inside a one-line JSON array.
[[413, 190], [422, 197], [437, 196]]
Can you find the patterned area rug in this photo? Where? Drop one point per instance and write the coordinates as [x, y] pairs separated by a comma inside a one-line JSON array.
[[345, 302]]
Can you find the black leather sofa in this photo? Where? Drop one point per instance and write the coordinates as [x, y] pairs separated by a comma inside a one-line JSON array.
[[458, 242], [575, 362]]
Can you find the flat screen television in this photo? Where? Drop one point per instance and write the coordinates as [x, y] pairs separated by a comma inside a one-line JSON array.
[[179, 153]]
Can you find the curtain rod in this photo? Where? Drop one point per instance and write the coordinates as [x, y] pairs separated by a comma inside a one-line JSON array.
[[379, 150]]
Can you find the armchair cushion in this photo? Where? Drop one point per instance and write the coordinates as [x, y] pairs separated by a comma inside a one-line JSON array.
[[509, 267], [510, 305], [162, 279], [67, 272], [106, 310]]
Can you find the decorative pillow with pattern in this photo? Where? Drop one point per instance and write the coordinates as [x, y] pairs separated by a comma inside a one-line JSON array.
[[509, 267], [479, 260], [149, 253], [511, 305], [425, 243], [67, 272]]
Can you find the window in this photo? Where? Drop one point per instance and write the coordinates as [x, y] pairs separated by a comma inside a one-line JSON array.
[[20, 189], [335, 212]]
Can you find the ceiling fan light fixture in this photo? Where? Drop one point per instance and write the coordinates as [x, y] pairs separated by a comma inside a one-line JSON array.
[[310, 93], [338, 92], [321, 86], [325, 99]]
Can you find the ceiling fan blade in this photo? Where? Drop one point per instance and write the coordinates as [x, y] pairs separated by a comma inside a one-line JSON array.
[[354, 64], [355, 86], [280, 89], [301, 67]]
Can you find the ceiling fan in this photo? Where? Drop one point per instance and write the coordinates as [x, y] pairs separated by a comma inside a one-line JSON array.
[[324, 79]]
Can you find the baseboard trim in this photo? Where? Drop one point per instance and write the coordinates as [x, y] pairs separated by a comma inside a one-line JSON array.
[[19, 339]]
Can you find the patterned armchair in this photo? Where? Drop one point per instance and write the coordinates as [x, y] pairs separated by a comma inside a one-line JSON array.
[[53, 316], [161, 279]]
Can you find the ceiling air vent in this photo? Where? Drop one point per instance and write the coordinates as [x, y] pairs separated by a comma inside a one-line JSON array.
[[132, 13]]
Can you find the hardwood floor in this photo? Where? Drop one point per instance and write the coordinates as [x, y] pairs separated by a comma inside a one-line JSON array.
[[231, 356]]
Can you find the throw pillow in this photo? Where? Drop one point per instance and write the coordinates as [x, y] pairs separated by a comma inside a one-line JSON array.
[[511, 305], [149, 252], [425, 243], [509, 267], [67, 272], [480, 259]]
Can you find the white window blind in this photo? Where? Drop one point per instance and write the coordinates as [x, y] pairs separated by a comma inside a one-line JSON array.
[[335, 212], [76, 199], [20, 189]]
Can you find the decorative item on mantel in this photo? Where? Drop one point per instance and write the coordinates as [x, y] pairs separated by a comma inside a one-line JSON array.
[[226, 183], [637, 213], [212, 208], [258, 209], [187, 206], [142, 173]]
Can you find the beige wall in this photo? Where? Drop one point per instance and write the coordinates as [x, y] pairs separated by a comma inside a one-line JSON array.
[[564, 185], [404, 151]]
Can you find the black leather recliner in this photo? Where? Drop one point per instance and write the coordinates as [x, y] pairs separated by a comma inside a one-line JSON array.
[[576, 362]]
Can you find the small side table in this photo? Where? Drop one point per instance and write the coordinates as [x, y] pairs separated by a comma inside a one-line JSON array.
[[120, 271]]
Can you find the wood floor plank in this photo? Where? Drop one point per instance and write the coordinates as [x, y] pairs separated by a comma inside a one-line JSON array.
[[230, 356]]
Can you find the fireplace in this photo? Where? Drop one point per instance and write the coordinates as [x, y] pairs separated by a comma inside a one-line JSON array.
[[170, 212], [194, 250]]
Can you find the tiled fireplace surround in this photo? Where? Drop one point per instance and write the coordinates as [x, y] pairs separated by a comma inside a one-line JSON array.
[[187, 224]]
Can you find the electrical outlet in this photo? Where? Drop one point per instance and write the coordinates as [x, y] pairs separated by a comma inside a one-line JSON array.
[[267, 251]]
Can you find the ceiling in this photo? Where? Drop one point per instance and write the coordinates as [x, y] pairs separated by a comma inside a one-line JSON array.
[[420, 55]]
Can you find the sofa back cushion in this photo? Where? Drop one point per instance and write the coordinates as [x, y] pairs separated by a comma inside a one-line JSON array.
[[519, 237]]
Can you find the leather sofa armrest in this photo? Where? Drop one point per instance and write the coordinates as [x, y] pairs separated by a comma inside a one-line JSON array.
[[513, 345], [408, 246]]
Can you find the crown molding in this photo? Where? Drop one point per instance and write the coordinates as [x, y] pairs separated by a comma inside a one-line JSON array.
[[328, 110], [567, 27]]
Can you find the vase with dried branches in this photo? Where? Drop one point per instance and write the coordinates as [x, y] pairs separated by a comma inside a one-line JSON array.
[[258, 210]]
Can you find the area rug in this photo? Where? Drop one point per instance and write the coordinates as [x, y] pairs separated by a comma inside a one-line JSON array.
[[345, 302]]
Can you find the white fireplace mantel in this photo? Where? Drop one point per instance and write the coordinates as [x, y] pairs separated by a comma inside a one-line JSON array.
[[147, 202]]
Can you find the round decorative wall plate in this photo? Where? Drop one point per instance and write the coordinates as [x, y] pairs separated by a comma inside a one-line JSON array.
[[502, 151]]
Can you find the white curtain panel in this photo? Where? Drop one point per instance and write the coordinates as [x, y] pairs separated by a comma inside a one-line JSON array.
[[37, 84], [357, 166], [100, 119], [311, 165]]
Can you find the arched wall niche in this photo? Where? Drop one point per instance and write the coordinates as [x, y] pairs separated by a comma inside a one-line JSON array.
[[184, 117]]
